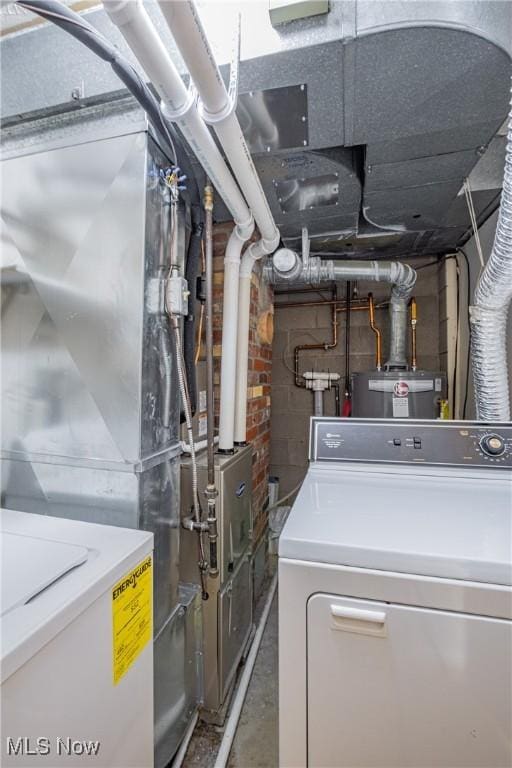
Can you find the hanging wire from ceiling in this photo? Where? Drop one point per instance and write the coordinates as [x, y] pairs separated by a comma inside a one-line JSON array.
[[472, 215]]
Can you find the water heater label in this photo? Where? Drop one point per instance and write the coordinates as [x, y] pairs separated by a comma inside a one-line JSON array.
[[401, 389], [132, 613], [401, 407]]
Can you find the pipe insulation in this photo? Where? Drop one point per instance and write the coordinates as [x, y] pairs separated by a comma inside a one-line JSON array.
[[489, 313], [401, 277]]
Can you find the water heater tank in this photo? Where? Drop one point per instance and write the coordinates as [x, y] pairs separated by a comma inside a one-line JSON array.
[[398, 394]]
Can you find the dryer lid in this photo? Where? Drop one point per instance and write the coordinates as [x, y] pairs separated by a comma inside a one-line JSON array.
[[443, 525]]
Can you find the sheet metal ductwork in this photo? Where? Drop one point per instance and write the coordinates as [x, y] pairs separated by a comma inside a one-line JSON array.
[[419, 90], [363, 122], [287, 268]]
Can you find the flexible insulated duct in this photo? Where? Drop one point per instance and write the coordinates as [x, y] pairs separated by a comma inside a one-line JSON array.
[[488, 315], [283, 271]]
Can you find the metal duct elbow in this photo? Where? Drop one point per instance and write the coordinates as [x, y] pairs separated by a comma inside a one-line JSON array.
[[286, 267], [403, 278], [488, 315]]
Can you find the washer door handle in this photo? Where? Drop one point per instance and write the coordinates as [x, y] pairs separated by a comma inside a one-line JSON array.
[[359, 620]]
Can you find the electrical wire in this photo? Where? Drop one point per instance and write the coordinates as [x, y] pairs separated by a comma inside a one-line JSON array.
[[429, 264], [196, 503], [85, 33], [199, 335], [201, 315], [474, 225]]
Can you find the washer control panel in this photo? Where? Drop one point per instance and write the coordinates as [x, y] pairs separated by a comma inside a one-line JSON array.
[[454, 443]]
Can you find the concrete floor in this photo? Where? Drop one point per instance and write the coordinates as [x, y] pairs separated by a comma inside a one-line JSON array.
[[255, 744]]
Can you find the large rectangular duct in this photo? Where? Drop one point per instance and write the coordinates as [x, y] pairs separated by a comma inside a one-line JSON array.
[[397, 101]]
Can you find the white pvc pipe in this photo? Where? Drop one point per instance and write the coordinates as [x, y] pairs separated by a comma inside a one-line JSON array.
[[229, 341], [250, 257], [202, 68], [241, 692], [177, 103], [186, 27], [180, 754], [242, 349]]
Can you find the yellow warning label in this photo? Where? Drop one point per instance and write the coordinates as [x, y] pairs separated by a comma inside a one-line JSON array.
[[132, 611]]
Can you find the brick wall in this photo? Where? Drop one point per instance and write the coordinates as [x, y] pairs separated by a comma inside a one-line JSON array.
[[260, 370], [292, 407]]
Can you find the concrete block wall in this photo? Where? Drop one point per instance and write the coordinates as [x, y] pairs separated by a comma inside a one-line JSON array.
[[259, 375], [293, 406]]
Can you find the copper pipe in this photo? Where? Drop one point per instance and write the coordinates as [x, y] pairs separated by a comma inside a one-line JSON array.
[[338, 306], [299, 382], [414, 320], [300, 290], [378, 335], [341, 305]]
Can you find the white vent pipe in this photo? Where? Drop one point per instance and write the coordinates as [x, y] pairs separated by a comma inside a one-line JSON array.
[[250, 257], [488, 316], [285, 269], [242, 348], [218, 110], [179, 106]]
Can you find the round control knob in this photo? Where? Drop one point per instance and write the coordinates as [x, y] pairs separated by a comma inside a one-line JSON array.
[[493, 445]]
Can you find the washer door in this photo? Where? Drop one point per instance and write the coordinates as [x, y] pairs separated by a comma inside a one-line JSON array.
[[390, 685]]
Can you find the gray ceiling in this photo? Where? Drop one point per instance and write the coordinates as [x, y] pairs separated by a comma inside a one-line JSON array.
[[363, 124]]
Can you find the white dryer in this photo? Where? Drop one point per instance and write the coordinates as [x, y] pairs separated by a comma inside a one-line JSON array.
[[395, 598], [76, 651]]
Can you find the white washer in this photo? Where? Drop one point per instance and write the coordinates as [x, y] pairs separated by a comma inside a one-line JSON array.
[[395, 598], [76, 643]]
